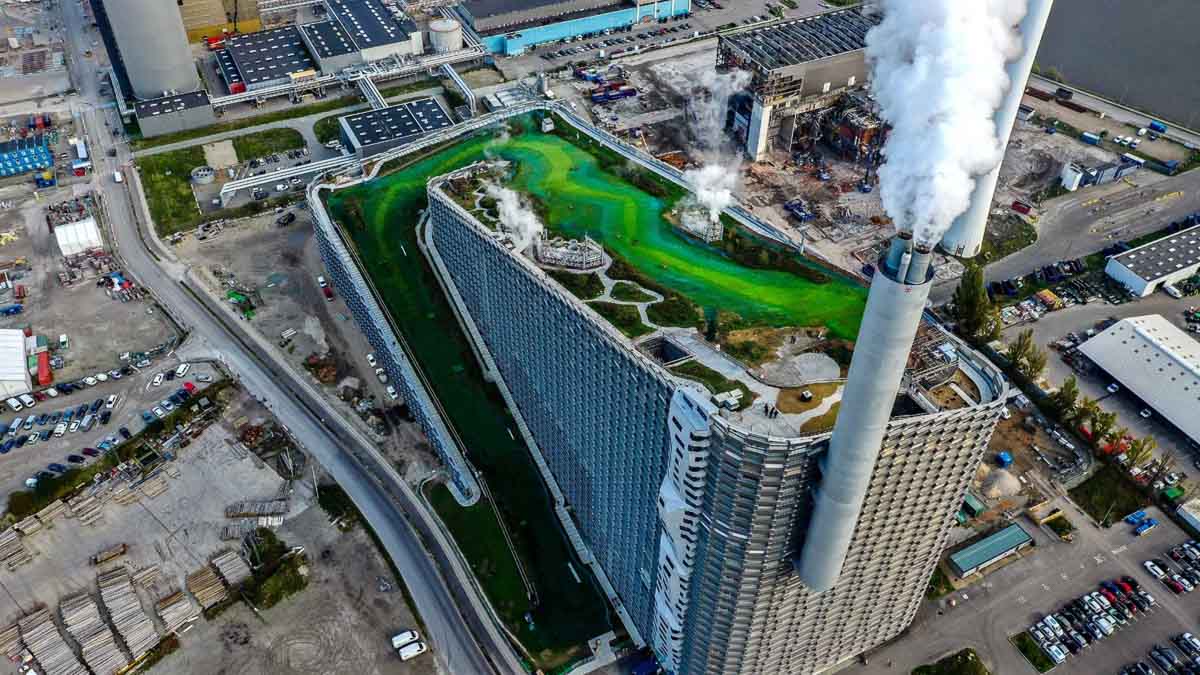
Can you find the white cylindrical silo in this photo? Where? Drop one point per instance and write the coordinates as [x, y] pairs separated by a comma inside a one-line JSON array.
[[153, 46], [966, 234], [446, 35], [894, 307]]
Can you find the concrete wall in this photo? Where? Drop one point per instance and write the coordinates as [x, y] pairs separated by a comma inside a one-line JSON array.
[[595, 409]]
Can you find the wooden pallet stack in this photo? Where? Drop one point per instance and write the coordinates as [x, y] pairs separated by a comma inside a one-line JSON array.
[[176, 611], [95, 638], [270, 507], [232, 568], [12, 551], [126, 613], [28, 526], [155, 486], [206, 587], [41, 636], [11, 646], [53, 511], [125, 495], [238, 529], [146, 576], [88, 509]]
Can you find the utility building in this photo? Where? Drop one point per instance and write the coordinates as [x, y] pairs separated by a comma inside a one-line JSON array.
[[511, 27], [14, 368], [374, 131], [799, 66], [1144, 269], [263, 59]]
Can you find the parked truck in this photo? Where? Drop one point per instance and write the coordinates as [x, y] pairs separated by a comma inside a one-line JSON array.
[[1157, 127], [1089, 138], [109, 554]]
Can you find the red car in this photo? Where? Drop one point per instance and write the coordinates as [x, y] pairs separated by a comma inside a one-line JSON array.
[[1175, 586], [1109, 595], [191, 388], [1125, 587]]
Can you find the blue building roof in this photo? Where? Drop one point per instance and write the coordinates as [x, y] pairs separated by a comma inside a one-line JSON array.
[[990, 547]]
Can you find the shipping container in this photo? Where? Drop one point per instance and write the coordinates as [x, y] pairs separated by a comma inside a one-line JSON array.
[[1089, 138], [43, 369], [1038, 93], [1133, 159], [1073, 106]]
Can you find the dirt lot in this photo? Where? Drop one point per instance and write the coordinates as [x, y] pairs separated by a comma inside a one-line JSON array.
[[281, 265], [1162, 148], [339, 624], [99, 328]]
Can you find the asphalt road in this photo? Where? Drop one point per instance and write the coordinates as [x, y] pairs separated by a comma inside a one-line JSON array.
[[384, 499]]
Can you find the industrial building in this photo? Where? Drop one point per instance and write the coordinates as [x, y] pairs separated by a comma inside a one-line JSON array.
[[681, 553], [358, 31], [263, 59], [170, 114], [373, 131], [979, 555], [22, 155], [147, 46], [1156, 361], [14, 369], [799, 67], [1145, 269], [510, 27]]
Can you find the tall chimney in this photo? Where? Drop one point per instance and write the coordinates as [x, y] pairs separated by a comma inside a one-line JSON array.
[[894, 307], [966, 234]]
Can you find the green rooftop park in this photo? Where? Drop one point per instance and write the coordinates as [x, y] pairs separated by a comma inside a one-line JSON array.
[[580, 189]]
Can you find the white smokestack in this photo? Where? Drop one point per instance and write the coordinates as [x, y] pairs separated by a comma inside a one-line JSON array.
[[516, 217], [938, 73]]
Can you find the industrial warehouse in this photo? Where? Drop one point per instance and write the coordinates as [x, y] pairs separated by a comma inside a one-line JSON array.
[[375, 131], [1159, 264], [510, 27]]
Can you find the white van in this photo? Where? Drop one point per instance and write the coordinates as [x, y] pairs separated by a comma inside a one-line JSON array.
[[64, 342], [401, 639], [182, 369], [27, 400], [1172, 291], [412, 650], [117, 177], [14, 404]]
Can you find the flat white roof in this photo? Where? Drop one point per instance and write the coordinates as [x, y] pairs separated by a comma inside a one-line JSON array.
[[75, 238], [13, 368], [1163, 257], [1158, 362]]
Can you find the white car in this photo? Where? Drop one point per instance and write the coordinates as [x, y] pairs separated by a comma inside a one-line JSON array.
[[157, 381], [321, 282], [1187, 585], [1113, 388], [1057, 653], [89, 381], [401, 639], [412, 650], [159, 412], [51, 392], [1145, 413], [14, 404], [381, 374], [27, 400], [59, 430], [371, 359], [182, 369], [31, 483], [1102, 600], [102, 377], [1154, 570], [33, 439], [391, 392], [111, 402], [204, 377], [74, 426]]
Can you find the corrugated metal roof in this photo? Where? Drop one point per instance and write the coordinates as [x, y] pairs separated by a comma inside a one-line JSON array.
[[1164, 256], [990, 547], [1158, 362], [14, 374]]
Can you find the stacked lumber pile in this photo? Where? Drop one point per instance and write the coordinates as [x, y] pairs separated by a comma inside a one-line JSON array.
[[238, 529], [126, 613], [41, 636], [53, 511], [125, 495], [232, 568], [206, 587], [154, 486], [11, 646], [176, 611], [88, 509], [83, 622], [28, 526], [271, 507], [146, 576], [12, 551]]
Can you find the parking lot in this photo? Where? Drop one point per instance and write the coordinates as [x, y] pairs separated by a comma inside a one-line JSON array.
[[1010, 599], [135, 394]]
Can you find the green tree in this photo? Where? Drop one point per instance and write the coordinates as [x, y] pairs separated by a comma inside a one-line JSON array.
[[1140, 450], [1020, 348], [978, 318], [1035, 364], [1063, 401], [1102, 425], [1116, 435], [1085, 412]]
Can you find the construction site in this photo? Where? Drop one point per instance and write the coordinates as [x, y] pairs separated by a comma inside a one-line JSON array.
[[32, 61]]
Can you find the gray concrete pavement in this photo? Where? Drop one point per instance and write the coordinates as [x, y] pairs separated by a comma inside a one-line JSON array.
[[1087, 221], [384, 499], [1115, 110], [1020, 593]]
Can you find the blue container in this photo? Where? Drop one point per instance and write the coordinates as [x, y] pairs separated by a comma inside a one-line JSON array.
[[1158, 127]]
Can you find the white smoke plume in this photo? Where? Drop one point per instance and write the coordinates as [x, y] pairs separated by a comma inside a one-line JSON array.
[[713, 186], [516, 216], [709, 112], [938, 73]]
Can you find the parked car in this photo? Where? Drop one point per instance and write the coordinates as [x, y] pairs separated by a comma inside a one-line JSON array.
[[91, 452], [57, 468], [1154, 570], [111, 402], [76, 459], [158, 380]]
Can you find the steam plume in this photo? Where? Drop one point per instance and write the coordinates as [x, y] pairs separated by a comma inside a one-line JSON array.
[[713, 186], [714, 183], [938, 75], [516, 217]]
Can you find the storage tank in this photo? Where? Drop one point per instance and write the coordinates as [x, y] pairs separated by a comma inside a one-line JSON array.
[[153, 45], [446, 35]]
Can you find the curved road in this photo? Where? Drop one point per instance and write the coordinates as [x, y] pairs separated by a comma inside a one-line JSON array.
[[384, 499]]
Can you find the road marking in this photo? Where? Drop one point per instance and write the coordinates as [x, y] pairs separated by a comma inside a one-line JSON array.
[[1119, 550]]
